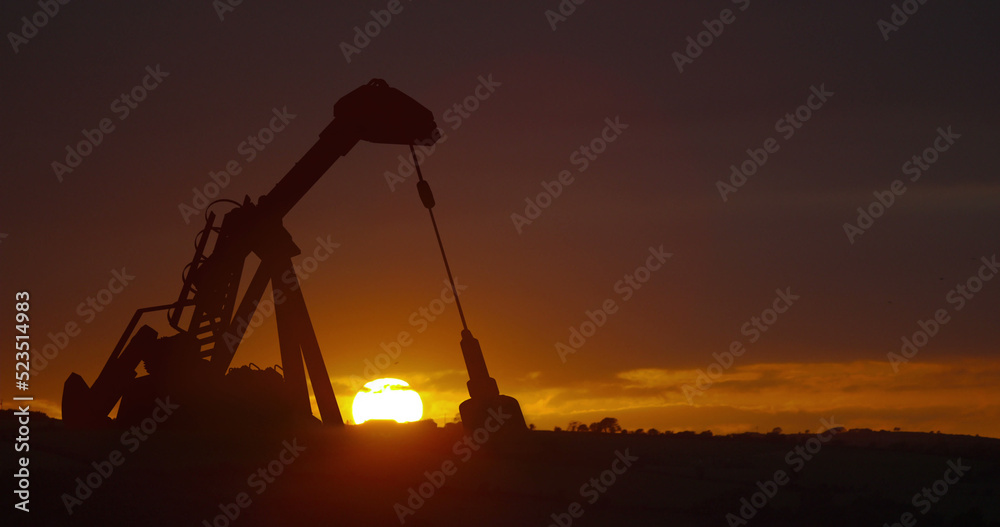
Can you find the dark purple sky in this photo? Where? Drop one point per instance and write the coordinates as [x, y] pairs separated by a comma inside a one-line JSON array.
[[656, 184]]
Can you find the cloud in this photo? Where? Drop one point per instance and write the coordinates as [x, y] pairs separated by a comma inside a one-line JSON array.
[[959, 397], [954, 397]]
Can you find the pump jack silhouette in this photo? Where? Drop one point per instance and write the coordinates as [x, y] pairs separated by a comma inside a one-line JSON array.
[[191, 366]]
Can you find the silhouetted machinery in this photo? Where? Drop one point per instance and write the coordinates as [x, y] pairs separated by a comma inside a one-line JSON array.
[[192, 366]]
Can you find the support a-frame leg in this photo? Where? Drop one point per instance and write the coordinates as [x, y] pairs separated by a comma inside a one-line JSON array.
[[298, 340]]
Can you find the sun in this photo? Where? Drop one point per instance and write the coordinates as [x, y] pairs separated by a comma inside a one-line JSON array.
[[387, 399]]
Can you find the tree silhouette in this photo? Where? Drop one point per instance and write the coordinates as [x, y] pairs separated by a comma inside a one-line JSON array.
[[608, 425]]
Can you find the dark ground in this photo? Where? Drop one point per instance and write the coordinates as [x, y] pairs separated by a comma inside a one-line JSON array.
[[357, 475]]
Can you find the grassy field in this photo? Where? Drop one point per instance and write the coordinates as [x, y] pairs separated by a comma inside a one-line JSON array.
[[423, 475]]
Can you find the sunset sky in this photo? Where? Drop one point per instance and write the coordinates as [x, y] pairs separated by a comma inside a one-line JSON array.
[[604, 76]]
